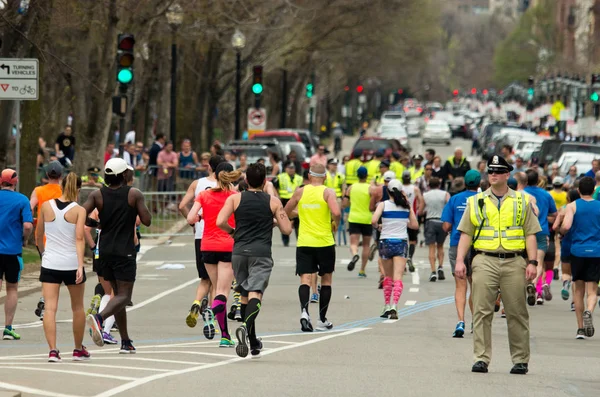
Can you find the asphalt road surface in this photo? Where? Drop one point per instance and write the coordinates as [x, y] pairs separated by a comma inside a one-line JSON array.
[[362, 355]]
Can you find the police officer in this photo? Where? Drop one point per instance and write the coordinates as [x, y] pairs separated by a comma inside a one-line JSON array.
[[352, 167], [499, 225], [93, 178], [334, 179], [287, 182]]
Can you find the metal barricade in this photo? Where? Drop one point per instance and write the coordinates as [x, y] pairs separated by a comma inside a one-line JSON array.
[[149, 181], [166, 219]]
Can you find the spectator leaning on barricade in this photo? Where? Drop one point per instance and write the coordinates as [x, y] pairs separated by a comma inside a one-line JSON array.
[[167, 161]]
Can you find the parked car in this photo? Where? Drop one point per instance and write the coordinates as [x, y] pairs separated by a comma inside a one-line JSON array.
[[437, 131]]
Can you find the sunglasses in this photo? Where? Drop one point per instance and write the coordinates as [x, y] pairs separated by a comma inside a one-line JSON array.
[[495, 172]]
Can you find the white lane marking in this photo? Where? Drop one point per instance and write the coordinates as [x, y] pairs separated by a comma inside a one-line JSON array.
[[390, 321], [280, 342], [415, 278], [62, 371], [31, 390], [134, 307], [180, 244], [143, 381], [155, 263], [176, 352], [414, 290], [88, 364], [410, 303], [33, 360]]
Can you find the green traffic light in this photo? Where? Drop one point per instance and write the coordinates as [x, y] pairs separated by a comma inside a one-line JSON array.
[[257, 89], [309, 87], [125, 76], [594, 97], [530, 91]]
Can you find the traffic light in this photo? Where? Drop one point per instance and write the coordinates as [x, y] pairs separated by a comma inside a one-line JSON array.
[[347, 88], [594, 93], [531, 89], [485, 92], [310, 90], [257, 82], [359, 89], [473, 91], [455, 93], [400, 91], [125, 58]]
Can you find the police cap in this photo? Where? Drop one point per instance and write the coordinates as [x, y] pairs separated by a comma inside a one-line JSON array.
[[497, 163]]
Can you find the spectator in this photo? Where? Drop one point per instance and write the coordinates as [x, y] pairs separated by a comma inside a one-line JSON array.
[[519, 166], [65, 147], [130, 137], [275, 163], [157, 146], [139, 157], [109, 152], [482, 169], [42, 153], [507, 153], [293, 157], [188, 160], [243, 162], [320, 157], [167, 161], [217, 150], [202, 169], [429, 155], [129, 155], [438, 171], [595, 168], [571, 177], [456, 165]]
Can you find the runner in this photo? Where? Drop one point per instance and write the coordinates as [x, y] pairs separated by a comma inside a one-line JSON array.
[[254, 211], [287, 182], [560, 200], [395, 215], [357, 197], [414, 197], [16, 224], [63, 222], [379, 193], [565, 249], [216, 248], [435, 236], [451, 216], [319, 215], [582, 219], [201, 302], [118, 207]]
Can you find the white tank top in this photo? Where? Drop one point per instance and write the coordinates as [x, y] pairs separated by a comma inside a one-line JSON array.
[[61, 250], [409, 191], [202, 185], [394, 221]]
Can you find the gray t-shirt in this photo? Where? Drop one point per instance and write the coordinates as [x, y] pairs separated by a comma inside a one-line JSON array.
[[435, 200]]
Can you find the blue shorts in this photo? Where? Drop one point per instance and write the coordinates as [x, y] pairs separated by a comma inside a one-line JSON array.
[[389, 248], [542, 242]]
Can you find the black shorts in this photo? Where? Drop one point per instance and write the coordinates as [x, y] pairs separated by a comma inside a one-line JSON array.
[[585, 269], [413, 235], [11, 267], [97, 266], [202, 273], [119, 269], [68, 277], [315, 260], [214, 257], [360, 228]]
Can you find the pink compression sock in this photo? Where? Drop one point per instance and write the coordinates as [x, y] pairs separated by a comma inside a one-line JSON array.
[[538, 285], [219, 309], [398, 287], [549, 276], [387, 290]]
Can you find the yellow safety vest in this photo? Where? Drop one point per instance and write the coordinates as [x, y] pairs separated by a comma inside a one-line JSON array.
[[398, 169], [352, 167], [86, 178], [500, 228], [335, 182], [451, 160], [373, 169], [414, 173], [315, 218], [287, 186], [359, 204]]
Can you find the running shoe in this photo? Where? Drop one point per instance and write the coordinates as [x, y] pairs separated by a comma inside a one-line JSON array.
[[566, 290], [94, 305], [498, 300], [572, 306], [540, 299], [203, 304], [10, 334], [95, 328], [255, 350], [503, 313], [433, 277], [81, 355], [588, 325], [460, 330], [362, 274], [372, 251], [547, 294], [385, 312], [127, 347], [54, 356], [314, 298], [531, 294], [39, 310], [209, 324], [109, 339], [441, 275], [242, 336], [324, 325], [305, 324], [394, 312], [231, 314], [580, 334], [411, 267], [556, 274], [238, 315], [192, 318], [226, 342], [352, 263]]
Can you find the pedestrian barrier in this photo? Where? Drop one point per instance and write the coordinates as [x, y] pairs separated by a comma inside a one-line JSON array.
[[153, 179], [166, 219]]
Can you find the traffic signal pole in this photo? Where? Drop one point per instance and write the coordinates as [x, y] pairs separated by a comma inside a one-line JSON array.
[[174, 91]]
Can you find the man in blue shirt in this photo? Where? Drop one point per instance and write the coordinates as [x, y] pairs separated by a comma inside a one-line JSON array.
[[451, 216], [595, 168], [16, 224], [546, 214]]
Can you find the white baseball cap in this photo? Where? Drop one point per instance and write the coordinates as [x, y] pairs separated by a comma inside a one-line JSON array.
[[116, 166], [394, 184], [389, 175]]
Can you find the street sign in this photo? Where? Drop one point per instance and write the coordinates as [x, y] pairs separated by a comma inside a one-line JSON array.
[[19, 79], [257, 121]]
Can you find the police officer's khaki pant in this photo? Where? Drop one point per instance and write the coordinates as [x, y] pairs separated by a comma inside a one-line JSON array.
[[489, 274]]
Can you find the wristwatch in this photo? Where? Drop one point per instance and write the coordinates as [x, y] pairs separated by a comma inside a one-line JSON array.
[[532, 262]]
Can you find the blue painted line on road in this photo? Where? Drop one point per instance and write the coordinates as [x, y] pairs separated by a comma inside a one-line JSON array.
[[402, 313]]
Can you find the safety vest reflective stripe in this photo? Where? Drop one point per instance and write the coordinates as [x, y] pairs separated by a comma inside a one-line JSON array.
[[287, 186], [335, 183]]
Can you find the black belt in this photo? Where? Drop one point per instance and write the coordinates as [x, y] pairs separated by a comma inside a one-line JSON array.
[[501, 255]]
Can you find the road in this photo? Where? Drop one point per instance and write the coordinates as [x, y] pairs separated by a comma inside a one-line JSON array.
[[362, 355]]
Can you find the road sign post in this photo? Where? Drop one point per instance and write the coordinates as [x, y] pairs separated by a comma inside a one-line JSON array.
[[257, 121], [19, 81]]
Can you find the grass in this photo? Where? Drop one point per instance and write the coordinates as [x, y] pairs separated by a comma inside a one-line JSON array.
[[31, 259]]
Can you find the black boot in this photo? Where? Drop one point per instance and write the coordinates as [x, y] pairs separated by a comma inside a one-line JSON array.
[[520, 369], [480, 366]]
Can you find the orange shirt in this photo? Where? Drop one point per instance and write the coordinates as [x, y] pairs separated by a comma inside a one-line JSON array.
[[45, 193]]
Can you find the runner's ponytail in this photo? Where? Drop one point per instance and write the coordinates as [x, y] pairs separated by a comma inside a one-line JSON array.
[[399, 198], [70, 186]]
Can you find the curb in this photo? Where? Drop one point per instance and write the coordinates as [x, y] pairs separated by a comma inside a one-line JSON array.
[[179, 226]]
